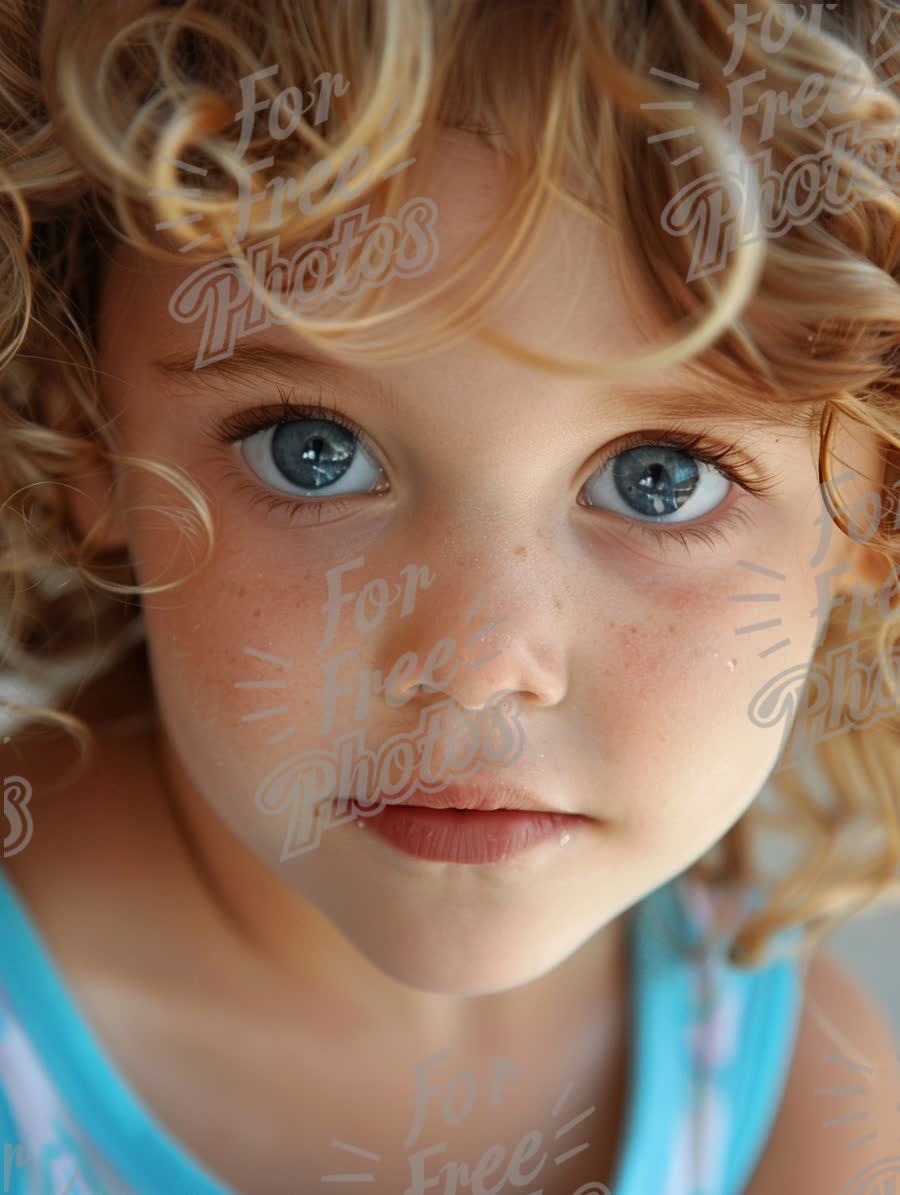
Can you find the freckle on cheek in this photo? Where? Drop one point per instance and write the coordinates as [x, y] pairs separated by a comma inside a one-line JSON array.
[[639, 650]]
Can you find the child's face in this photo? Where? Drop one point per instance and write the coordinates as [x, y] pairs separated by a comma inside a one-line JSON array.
[[620, 636]]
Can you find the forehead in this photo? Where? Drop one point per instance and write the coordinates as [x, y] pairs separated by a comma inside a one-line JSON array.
[[567, 297], [564, 296]]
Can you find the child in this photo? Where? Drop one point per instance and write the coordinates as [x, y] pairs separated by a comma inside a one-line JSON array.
[[411, 413]]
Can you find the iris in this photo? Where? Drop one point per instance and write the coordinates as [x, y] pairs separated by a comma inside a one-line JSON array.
[[312, 453], [655, 480]]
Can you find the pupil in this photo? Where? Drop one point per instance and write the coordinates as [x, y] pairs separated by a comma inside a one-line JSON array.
[[313, 453], [655, 481]]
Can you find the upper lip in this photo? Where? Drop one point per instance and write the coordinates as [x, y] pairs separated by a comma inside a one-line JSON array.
[[483, 797]]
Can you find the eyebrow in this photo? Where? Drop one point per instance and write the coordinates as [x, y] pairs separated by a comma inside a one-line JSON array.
[[267, 362]]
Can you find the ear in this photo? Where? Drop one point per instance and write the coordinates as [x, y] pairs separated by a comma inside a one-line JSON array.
[[90, 487], [870, 568]]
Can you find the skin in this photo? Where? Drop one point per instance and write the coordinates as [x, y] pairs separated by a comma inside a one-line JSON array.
[[617, 642]]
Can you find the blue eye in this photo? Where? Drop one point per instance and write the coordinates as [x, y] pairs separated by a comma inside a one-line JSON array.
[[652, 482], [312, 457]]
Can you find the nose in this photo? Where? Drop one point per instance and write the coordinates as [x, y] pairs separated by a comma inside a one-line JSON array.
[[471, 644]]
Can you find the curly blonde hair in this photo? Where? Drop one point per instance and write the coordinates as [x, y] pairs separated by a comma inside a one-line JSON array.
[[119, 118]]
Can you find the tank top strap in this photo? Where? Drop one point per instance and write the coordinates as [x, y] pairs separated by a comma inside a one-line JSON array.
[[712, 1045]]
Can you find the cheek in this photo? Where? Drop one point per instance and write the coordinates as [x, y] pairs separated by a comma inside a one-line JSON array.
[[239, 662], [210, 634], [679, 689], [238, 655], [236, 690]]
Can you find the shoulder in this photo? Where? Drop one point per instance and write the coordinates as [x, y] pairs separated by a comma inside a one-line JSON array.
[[837, 1128]]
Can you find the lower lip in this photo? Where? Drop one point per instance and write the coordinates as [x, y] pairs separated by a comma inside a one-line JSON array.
[[467, 836]]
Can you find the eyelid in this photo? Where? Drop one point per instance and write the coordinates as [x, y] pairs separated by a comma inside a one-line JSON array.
[[666, 535], [731, 460], [305, 510], [239, 425]]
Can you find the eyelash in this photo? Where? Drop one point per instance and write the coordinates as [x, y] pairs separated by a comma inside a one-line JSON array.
[[730, 460], [241, 424]]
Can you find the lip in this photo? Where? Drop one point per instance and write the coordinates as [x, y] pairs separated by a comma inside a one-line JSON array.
[[480, 797], [486, 836], [466, 823]]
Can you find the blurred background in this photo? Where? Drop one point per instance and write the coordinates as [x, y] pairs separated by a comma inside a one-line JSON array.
[[870, 949], [868, 945]]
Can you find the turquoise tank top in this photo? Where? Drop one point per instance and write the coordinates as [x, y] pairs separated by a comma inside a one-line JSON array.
[[710, 1054]]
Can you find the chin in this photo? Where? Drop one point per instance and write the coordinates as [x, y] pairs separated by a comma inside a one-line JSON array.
[[455, 953]]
